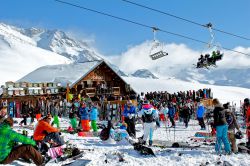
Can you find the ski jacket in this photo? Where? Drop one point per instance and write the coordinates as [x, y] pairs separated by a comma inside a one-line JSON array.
[[93, 113], [42, 129], [231, 120], [200, 111], [128, 111], [219, 115], [248, 114], [148, 114], [171, 112], [84, 113], [8, 137]]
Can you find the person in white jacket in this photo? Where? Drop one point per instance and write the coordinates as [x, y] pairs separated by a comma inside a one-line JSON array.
[[150, 118]]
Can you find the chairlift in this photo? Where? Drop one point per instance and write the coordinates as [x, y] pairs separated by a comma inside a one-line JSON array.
[[156, 46], [206, 61]]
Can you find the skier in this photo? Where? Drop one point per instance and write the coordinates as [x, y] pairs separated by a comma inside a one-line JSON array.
[[10, 153], [73, 120], [84, 113], [25, 113], [248, 123], [129, 118], [55, 113], [149, 117], [200, 115], [232, 124], [44, 133], [94, 116], [186, 113], [171, 113], [221, 127]]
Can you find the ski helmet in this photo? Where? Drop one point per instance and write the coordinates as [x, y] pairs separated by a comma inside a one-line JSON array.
[[238, 135], [246, 101]]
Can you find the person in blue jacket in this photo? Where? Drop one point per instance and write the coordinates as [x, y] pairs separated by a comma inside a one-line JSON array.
[[93, 116], [200, 115], [129, 118], [171, 113], [84, 113]]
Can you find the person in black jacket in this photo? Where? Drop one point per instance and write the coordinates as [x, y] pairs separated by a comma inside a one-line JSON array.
[[221, 127]]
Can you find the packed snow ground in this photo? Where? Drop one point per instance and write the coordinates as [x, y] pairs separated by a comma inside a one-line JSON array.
[[102, 153]]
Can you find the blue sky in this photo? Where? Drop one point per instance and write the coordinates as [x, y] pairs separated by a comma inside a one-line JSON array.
[[113, 37]]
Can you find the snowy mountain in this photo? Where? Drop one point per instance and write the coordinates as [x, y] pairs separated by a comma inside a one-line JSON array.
[[24, 50], [59, 42], [19, 54], [144, 73]]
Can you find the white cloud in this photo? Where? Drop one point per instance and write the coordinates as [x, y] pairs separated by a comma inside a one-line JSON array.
[[180, 58]]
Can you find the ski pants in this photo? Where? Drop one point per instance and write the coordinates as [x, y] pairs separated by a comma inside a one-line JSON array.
[[93, 125], [73, 123], [231, 137], [131, 126], [56, 121], [221, 136], [55, 137], [25, 152], [201, 122], [172, 121], [148, 131]]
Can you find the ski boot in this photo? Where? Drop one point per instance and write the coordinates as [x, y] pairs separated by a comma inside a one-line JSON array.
[[150, 142]]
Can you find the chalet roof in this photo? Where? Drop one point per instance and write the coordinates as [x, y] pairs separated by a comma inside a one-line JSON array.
[[63, 73]]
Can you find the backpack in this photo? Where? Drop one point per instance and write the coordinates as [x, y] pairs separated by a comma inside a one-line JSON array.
[[229, 119], [104, 135]]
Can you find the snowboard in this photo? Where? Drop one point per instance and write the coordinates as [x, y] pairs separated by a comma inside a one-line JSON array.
[[142, 149], [242, 148], [66, 160]]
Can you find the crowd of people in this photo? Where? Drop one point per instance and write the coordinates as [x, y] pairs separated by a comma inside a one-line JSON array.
[[152, 109]]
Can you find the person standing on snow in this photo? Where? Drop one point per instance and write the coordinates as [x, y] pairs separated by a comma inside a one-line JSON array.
[[221, 127], [247, 115], [171, 114], [149, 117], [186, 113], [200, 115], [94, 116], [129, 118], [84, 113], [232, 125]]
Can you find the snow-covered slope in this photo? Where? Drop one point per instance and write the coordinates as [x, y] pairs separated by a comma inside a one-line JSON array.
[[19, 54], [144, 73], [224, 93]]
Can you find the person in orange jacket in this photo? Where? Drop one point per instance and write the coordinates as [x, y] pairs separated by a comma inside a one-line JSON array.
[[44, 132]]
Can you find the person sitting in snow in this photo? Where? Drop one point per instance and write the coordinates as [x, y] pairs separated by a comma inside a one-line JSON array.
[[129, 118], [10, 152], [45, 133], [150, 118]]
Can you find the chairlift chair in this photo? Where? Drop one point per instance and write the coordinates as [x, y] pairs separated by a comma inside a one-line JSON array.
[[157, 44]]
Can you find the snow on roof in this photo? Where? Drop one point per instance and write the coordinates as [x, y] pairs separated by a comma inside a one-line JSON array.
[[64, 73]]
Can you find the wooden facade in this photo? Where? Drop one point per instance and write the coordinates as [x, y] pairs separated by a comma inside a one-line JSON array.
[[101, 81]]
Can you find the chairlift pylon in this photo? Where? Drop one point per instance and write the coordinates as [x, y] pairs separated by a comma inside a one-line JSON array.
[[156, 44]]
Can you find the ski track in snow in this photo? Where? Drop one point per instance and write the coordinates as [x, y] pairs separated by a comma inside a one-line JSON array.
[[103, 153]]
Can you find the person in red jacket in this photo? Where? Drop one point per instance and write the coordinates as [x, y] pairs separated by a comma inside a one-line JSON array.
[[44, 132]]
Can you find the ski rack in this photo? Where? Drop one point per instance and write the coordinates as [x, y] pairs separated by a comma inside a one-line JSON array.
[[158, 55]]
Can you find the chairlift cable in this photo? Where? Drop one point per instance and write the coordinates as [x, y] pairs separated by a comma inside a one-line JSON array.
[[186, 20], [146, 26]]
